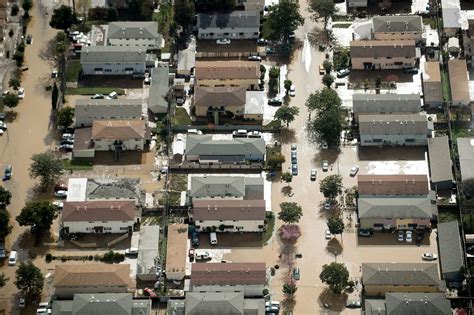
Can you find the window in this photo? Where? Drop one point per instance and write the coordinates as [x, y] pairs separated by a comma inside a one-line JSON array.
[[377, 140], [410, 140], [98, 69], [124, 228], [367, 141]]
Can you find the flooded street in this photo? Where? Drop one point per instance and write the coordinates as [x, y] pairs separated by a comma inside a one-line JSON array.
[[28, 133]]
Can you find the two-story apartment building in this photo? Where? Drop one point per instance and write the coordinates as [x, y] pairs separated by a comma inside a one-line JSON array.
[[381, 104], [383, 54], [392, 186], [86, 111], [397, 27], [234, 25], [409, 303], [115, 60], [441, 173], [393, 130], [229, 215], [134, 34], [226, 187], [248, 278], [125, 135], [98, 216], [229, 73]]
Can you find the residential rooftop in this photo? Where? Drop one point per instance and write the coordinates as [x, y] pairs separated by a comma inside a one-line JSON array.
[[396, 207], [408, 274], [397, 24], [234, 20], [91, 274], [392, 185], [119, 129], [227, 70], [242, 210], [176, 248], [108, 210], [439, 159], [228, 274], [383, 48]]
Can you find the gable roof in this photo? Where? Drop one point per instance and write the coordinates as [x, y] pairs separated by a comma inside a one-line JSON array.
[[440, 159], [466, 157], [458, 80], [136, 30], [118, 129], [393, 124], [396, 208], [234, 20], [432, 90], [450, 247], [400, 274], [101, 54], [417, 303], [392, 185], [205, 145], [227, 70], [215, 209], [397, 24], [228, 274], [176, 248], [108, 108], [383, 48], [219, 96], [386, 103], [159, 88], [87, 275], [123, 210], [230, 303], [217, 186]]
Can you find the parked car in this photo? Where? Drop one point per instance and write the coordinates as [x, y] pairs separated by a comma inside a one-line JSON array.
[[325, 165], [354, 170], [195, 239], [429, 256], [365, 233], [328, 235], [149, 292], [202, 255], [294, 159], [410, 70], [223, 41], [255, 58], [313, 175], [327, 205], [180, 101], [254, 134], [272, 309], [21, 302], [296, 273], [8, 172], [67, 141], [241, 133], [275, 102], [294, 169], [58, 204], [270, 51], [262, 41], [3, 252], [66, 147], [353, 304], [322, 71], [54, 73], [21, 93], [401, 236], [409, 236], [113, 95], [293, 147], [191, 253], [61, 186], [132, 251], [292, 91], [342, 73], [97, 97], [3, 125], [67, 136], [324, 145], [29, 39], [12, 258], [60, 193]]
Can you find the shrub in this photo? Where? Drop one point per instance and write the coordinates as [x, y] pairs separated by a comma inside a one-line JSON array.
[[48, 257], [265, 292], [91, 257], [15, 10], [63, 258]]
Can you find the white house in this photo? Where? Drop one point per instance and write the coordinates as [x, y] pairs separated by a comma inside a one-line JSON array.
[[229, 215], [86, 111], [235, 25], [125, 135], [98, 216], [134, 34], [248, 278]]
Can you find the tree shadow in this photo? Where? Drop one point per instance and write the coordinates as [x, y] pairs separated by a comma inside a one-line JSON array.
[[286, 190], [334, 247], [286, 136], [336, 302], [330, 213], [11, 116]]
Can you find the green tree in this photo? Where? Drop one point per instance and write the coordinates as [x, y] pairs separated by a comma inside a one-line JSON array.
[[290, 288], [3, 280], [5, 227], [274, 161], [341, 59], [287, 114], [215, 5], [54, 96], [65, 117], [184, 13], [324, 100], [29, 280], [287, 177], [331, 186], [284, 18], [291, 212], [327, 127], [11, 100], [39, 215], [328, 80], [336, 276], [47, 167], [287, 84], [5, 196], [335, 225], [62, 18], [378, 82], [327, 66], [322, 9], [27, 5], [19, 57], [14, 83]]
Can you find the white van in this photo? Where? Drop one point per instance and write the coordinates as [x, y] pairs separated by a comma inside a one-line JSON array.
[[213, 238], [12, 258], [113, 95], [41, 311]]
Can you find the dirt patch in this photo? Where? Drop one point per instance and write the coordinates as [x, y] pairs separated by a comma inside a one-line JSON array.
[[123, 82]]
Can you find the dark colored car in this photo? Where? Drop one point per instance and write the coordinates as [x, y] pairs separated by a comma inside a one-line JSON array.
[[8, 172], [195, 239], [365, 233], [29, 39]]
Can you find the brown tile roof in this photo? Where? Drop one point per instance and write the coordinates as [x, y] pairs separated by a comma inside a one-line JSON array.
[[458, 80], [228, 274], [119, 129], [231, 70], [392, 184], [432, 89], [176, 247], [87, 275], [246, 210], [219, 96], [116, 210], [433, 74], [383, 48]]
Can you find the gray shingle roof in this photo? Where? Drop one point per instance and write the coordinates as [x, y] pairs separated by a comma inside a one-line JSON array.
[[400, 274], [236, 19], [393, 124], [219, 96], [417, 303], [450, 251], [157, 100], [100, 54], [396, 208], [397, 23], [205, 145], [466, 157], [217, 186], [375, 307], [231, 303], [440, 159], [138, 30], [386, 103]]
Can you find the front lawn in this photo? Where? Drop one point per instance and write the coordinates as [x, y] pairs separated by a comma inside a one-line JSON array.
[[77, 165], [181, 117], [93, 90], [269, 227], [72, 70]]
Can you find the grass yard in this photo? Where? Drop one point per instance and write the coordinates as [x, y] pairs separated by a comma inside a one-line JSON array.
[[77, 165], [179, 182], [446, 87], [165, 19], [269, 227], [93, 90], [181, 117], [266, 30], [272, 125], [72, 70], [341, 25], [447, 215]]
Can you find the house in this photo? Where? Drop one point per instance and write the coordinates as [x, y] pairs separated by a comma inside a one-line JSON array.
[[378, 104], [383, 54], [451, 13], [98, 216], [187, 59], [248, 278], [432, 88], [396, 213], [392, 186], [458, 81], [104, 303], [228, 73], [451, 253], [393, 130], [466, 157], [148, 252], [217, 303], [123, 135], [226, 187], [397, 27], [159, 90], [115, 60], [204, 149], [86, 111], [208, 100], [134, 34], [91, 278], [381, 278], [441, 174], [251, 5], [229, 215], [177, 266], [409, 303], [234, 25]]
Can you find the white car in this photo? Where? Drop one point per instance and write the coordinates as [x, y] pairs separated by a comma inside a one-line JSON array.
[[21, 93], [3, 125], [409, 236], [223, 41], [255, 58], [292, 91], [60, 193], [327, 205], [429, 256], [293, 147], [58, 204], [254, 134], [354, 170], [67, 136], [401, 236], [328, 235], [313, 175]]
